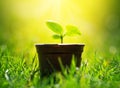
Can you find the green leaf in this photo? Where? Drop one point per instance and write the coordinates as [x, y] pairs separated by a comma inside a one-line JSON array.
[[72, 30], [55, 27], [56, 36]]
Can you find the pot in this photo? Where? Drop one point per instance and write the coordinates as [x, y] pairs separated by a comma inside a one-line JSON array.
[[49, 55]]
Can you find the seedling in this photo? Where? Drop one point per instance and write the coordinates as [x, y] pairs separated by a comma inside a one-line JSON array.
[[60, 33]]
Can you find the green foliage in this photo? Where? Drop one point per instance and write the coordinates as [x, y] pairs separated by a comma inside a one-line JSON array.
[[56, 36], [72, 30], [55, 27], [60, 33], [96, 72]]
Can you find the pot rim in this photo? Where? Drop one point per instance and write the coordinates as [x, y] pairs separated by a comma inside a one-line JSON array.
[[59, 44]]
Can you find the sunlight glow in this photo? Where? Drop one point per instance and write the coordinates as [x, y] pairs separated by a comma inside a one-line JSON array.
[[23, 22], [31, 16]]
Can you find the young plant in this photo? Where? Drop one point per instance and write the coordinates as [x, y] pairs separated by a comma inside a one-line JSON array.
[[60, 33]]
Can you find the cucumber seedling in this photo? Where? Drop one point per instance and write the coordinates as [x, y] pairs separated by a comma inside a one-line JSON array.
[[60, 33]]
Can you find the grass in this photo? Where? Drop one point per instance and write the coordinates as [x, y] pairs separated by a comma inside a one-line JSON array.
[[95, 72]]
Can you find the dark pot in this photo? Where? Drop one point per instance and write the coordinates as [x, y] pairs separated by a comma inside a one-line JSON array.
[[49, 53]]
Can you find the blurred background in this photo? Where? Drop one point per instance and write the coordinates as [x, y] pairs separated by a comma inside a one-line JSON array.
[[22, 24]]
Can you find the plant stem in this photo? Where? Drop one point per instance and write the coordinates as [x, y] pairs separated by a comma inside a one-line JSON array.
[[61, 38]]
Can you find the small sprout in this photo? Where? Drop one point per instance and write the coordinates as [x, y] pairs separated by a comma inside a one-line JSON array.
[[60, 33]]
